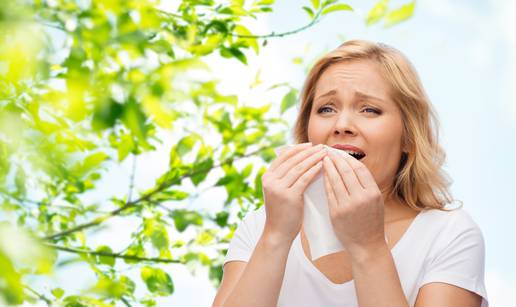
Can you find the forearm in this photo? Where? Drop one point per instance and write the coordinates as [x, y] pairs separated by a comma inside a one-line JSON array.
[[376, 279], [261, 280]]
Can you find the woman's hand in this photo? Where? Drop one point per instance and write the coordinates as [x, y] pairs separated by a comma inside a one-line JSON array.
[[355, 203], [283, 186]]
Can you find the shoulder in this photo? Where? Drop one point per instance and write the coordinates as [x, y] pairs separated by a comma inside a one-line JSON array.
[[453, 232], [455, 220]]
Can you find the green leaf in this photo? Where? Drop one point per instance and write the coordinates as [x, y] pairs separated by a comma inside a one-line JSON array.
[[157, 281], [201, 170], [94, 160], [208, 46], [11, 287], [315, 4], [328, 2], [186, 144], [309, 11], [57, 292], [221, 218], [170, 195], [134, 119], [183, 218], [157, 233], [265, 2], [233, 52], [247, 170], [258, 189], [106, 259], [215, 274], [337, 7], [130, 286], [125, 146], [106, 114], [135, 250], [289, 100], [241, 30], [109, 288], [159, 238], [377, 12], [400, 14]]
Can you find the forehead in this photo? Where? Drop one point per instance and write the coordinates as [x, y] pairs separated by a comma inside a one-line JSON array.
[[354, 76]]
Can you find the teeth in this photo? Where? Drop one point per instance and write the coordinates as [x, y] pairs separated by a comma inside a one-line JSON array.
[[353, 152]]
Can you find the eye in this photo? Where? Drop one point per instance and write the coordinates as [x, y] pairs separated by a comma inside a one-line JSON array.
[[371, 110], [322, 109]]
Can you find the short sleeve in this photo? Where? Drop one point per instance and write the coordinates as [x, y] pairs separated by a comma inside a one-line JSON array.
[[461, 260], [245, 237]]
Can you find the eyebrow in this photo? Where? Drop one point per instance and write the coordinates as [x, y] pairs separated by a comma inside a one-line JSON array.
[[358, 94]]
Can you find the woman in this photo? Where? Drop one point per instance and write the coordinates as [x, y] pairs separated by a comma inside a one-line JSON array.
[[366, 99]]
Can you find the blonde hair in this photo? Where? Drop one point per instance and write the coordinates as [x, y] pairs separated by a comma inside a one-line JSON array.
[[420, 181]]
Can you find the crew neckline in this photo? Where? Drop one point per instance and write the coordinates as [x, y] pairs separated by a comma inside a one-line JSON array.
[[320, 275]]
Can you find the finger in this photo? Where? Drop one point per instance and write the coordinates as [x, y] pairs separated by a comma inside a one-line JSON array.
[[293, 162], [340, 191], [295, 172], [346, 172], [306, 178], [363, 174], [287, 153], [330, 194]]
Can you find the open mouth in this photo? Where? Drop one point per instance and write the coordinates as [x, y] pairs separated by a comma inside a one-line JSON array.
[[353, 151], [356, 155]]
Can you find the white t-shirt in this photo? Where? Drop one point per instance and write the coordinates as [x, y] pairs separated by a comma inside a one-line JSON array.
[[438, 246]]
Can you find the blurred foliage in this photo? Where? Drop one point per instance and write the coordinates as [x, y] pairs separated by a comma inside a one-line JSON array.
[[88, 85]]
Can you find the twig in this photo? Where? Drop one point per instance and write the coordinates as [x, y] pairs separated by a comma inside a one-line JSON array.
[[273, 34], [125, 302], [107, 254], [39, 295], [131, 180]]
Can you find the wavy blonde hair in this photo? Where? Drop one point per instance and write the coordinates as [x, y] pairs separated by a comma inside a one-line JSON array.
[[420, 181]]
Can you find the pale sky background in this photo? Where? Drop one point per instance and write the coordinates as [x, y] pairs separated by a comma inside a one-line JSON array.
[[465, 53]]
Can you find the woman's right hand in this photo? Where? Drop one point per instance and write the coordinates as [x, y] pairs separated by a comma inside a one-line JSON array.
[[283, 186]]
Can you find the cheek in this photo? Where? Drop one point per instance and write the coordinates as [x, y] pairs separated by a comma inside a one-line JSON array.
[[316, 129], [387, 135]]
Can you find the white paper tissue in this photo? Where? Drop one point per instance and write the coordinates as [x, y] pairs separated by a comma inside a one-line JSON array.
[[317, 224]]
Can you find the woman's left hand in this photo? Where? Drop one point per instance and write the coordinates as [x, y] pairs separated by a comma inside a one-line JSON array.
[[355, 203]]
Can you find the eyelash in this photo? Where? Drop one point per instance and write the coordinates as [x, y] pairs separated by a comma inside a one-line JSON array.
[[374, 110]]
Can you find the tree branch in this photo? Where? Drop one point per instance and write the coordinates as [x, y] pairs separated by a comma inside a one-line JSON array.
[[273, 34], [39, 295], [107, 254], [125, 302], [131, 180], [130, 204]]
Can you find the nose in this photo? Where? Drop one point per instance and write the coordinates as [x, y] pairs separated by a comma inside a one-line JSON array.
[[344, 125]]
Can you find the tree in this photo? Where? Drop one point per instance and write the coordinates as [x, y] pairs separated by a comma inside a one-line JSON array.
[[87, 85]]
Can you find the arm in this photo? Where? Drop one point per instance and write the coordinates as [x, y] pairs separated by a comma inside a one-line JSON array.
[[446, 295], [257, 286], [376, 279]]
